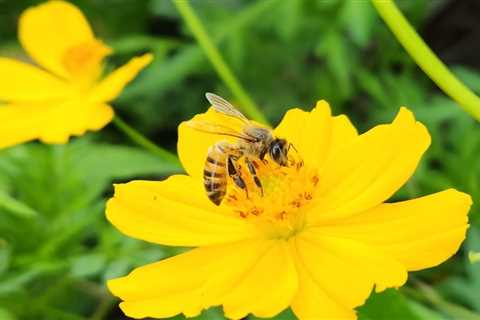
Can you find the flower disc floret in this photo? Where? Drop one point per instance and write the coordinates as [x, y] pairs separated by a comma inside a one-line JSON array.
[[279, 205]]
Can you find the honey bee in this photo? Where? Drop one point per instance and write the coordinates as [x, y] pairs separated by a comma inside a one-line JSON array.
[[252, 142]]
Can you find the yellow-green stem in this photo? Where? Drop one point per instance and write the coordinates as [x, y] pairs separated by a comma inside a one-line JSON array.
[[426, 59], [144, 142], [213, 54]]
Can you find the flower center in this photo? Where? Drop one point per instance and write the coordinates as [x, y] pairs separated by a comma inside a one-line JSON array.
[[84, 61], [279, 204]]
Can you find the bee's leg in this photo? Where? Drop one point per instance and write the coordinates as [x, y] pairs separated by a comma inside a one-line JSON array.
[[234, 174], [253, 172], [262, 155]]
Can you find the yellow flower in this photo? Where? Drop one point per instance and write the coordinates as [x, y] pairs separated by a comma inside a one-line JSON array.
[[319, 240], [65, 95], [474, 256]]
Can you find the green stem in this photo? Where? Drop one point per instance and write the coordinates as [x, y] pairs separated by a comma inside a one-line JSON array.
[[141, 140], [212, 52], [426, 59]]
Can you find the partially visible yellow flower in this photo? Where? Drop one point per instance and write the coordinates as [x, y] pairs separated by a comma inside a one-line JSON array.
[[319, 240], [65, 95], [474, 256]]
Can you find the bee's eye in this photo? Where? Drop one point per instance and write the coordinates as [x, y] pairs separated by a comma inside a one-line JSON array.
[[276, 152]]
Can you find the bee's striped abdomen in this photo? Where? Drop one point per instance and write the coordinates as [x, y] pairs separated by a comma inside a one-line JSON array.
[[215, 173]]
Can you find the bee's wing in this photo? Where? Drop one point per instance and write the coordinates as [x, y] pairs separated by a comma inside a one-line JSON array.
[[214, 128], [223, 106]]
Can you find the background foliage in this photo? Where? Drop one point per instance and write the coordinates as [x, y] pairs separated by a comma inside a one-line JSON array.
[[56, 248]]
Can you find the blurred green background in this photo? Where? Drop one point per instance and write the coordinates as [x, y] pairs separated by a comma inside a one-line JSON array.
[[57, 249]]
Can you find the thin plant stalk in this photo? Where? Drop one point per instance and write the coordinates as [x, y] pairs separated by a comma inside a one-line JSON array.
[[426, 59], [246, 103], [144, 142]]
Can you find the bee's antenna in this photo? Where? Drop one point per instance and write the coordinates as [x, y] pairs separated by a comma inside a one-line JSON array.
[[290, 145]]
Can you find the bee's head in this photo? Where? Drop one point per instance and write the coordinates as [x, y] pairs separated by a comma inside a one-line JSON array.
[[278, 151]]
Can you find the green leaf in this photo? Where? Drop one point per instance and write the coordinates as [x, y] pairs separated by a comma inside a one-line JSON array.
[[88, 265], [335, 50], [388, 305], [473, 269], [102, 162], [15, 206], [117, 268], [359, 18], [468, 288], [290, 15], [5, 255], [423, 312], [211, 314], [372, 85], [163, 75], [450, 308], [285, 315], [6, 315], [17, 281]]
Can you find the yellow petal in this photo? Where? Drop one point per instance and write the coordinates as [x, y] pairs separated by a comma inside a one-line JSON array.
[[176, 285], [193, 145], [73, 118], [370, 169], [337, 275], [420, 233], [174, 212], [267, 288], [312, 302], [23, 82], [330, 287], [48, 31], [209, 276], [381, 268], [343, 133], [110, 87], [309, 132], [51, 122], [99, 116], [20, 124], [332, 273]]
